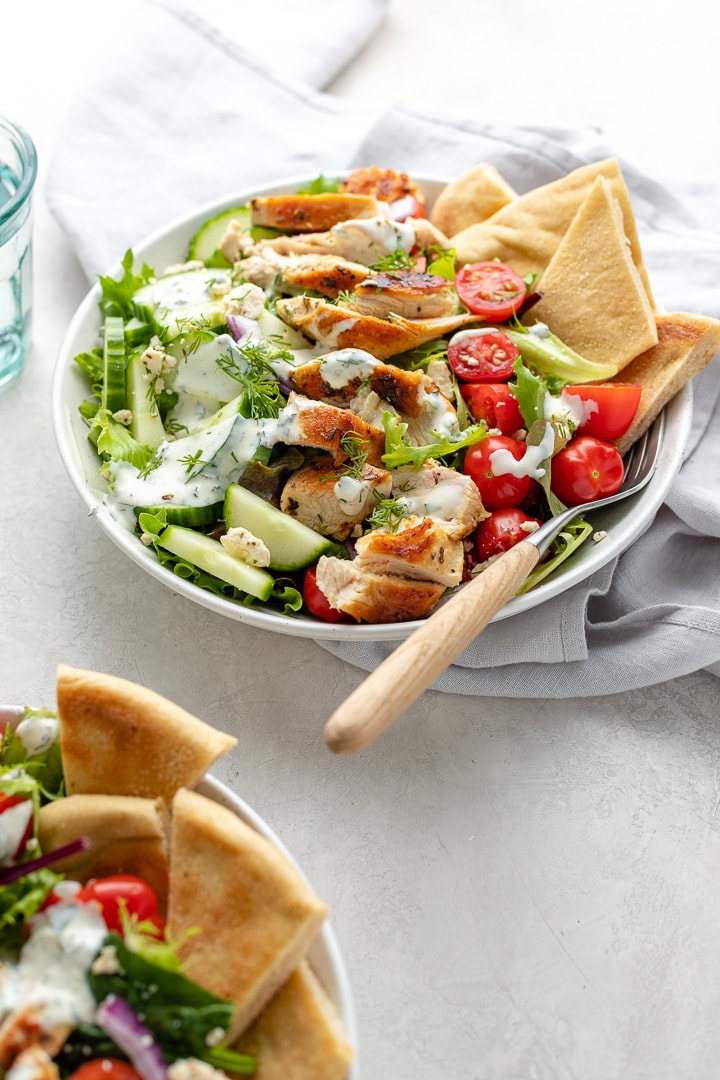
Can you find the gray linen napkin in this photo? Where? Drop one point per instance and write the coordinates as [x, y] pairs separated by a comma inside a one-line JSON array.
[[137, 152]]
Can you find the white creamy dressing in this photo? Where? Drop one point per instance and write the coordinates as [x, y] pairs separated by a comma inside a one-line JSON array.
[[503, 463], [37, 733], [385, 235], [188, 289], [50, 974], [13, 823], [441, 502], [440, 413], [581, 410], [332, 333], [351, 493], [198, 373], [346, 365]]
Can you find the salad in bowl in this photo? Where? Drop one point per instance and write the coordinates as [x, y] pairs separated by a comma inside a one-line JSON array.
[[152, 927], [321, 410]]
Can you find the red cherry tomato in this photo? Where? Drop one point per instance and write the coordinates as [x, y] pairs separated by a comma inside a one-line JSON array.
[[490, 289], [125, 892], [494, 403], [105, 1069], [407, 207], [482, 355], [609, 407], [316, 602], [6, 802], [586, 469], [502, 530], [497, 489]]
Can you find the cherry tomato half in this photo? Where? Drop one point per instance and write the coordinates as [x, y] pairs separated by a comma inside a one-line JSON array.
[[316, 602], [502, 530], [20, 832], [586, 469], [609, 408], [494, 403], [105, 1069], [497, 489], [490, 289], [124, 892], [482, 355]]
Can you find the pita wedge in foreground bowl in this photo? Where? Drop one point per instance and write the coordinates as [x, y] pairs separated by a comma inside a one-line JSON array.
[[149, 921]]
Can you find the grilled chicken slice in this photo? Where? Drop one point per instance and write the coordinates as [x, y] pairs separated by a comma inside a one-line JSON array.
[[326, 274], [331, 501], [357, 380], [342, 326], [385, 184], [34, 1063], [406, 293], [419, 549], [374, 598], [304, 422], [311, 213], [435, 491], [363, 241]]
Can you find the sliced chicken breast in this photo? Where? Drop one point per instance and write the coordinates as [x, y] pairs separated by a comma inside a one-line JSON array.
[[326, 274], [435, 491], [365, 241], [312, 213], [406, 293], [331, 501], [374, 598], [304, 422], [420, 549], [342, 326]]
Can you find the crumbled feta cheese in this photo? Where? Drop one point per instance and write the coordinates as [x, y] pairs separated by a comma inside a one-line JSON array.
[[147, 539], [235, 242], [243, 544], [193, 1069], [599, 535], [106, 962], [123, 416], [247, 300], [215, 1036]]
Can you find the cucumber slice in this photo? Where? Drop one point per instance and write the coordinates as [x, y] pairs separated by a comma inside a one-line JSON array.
[[146, 424], [209, 555], [137, 332], [113, 392], [292, 545], [185, 515], [206, 241], [279, 333], [181, 302]]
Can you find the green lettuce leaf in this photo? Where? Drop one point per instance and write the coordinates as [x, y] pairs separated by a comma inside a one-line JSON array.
[[399, 452]]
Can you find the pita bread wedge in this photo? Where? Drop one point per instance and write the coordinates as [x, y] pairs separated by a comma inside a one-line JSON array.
[[127, 835], [298, 1035], [686, 343], [255, 913], [592, 294], [119, 738], [474, 196], [526, 232]]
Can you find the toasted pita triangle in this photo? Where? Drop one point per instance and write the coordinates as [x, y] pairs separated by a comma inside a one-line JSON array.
[[255, 913], [475, 196], [118, 738], [686, 343], [526, 232], [298, 1035], [593, 298], [127, 835]]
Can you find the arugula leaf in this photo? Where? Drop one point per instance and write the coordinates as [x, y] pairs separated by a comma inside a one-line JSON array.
[[114, 441], [399, 452], [320, 186], [117, 294], [564, 545], [443, 262]]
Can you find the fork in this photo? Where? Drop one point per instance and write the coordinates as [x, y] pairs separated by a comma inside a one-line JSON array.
[[423, 656]]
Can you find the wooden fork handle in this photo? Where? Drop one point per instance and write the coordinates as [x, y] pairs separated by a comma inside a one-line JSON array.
[[425, 654]]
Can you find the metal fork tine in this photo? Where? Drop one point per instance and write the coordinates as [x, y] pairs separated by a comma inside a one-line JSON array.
[[634, 460]]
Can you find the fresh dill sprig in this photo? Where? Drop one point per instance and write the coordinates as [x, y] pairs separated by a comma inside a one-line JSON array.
[[387, 514], [395, 261], [193, 464], [263, 397]]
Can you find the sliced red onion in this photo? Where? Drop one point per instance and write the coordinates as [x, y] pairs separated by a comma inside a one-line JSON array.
[[127, 1030], [12, 873], [242, 328]]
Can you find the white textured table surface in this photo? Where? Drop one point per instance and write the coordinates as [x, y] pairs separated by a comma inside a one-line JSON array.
[[521, 889]]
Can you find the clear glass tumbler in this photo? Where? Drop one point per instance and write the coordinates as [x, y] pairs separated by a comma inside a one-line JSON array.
[[18, 170]]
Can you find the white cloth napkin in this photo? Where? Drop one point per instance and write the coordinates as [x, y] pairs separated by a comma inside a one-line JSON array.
[[184, 115]]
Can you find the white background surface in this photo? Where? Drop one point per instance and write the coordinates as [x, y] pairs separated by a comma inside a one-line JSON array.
[[522, 889]]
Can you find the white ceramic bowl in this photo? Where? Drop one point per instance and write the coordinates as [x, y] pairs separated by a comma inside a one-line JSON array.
[[623, 522], [324, 954]]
